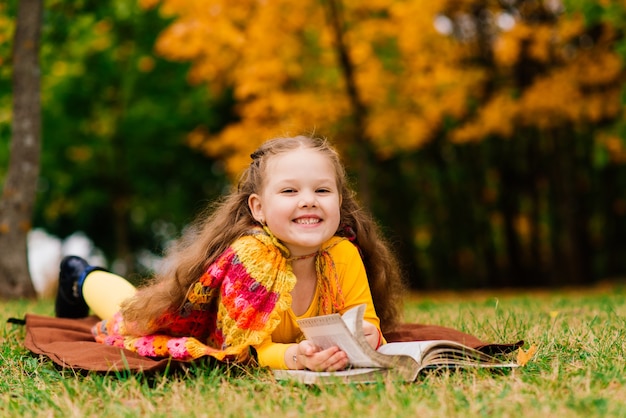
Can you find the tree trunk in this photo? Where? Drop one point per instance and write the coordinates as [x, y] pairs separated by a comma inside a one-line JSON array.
[[19, 191]]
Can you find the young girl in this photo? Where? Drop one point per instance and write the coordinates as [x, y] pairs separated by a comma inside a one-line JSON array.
[[291, 242]]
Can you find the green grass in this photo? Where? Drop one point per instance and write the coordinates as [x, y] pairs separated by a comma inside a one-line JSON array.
[[579, 370]]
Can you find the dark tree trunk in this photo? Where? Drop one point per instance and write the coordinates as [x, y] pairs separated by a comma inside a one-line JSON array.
[[19, 189]]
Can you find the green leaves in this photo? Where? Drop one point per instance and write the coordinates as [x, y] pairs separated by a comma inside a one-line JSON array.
[[114, 159]]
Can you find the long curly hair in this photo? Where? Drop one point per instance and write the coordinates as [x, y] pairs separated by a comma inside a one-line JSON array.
[[229, 218]]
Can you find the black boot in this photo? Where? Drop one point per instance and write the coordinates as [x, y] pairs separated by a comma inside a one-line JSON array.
[[69, 301]]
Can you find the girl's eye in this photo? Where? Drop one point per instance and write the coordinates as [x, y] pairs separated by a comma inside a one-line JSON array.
[[323, 190], [288, 191]]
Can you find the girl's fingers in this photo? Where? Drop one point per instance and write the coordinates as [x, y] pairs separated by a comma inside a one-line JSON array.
[[331, 359], [339, 365], [338, 360]]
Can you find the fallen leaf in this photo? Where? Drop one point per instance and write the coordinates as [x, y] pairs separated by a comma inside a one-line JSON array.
[[524, 357]]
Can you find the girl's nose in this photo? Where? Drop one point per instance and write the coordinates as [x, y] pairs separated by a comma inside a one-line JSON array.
[[308, 200]]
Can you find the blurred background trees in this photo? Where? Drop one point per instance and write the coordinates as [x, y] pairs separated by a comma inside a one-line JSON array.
[[486, 136], [114, 161]]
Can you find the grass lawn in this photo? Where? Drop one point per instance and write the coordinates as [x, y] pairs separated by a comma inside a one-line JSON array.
[[578, 371]]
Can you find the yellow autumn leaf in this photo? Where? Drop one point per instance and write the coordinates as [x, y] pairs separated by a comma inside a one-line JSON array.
[[412, 79], [524, 357]]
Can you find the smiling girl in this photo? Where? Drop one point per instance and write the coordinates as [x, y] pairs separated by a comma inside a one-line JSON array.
[[291, 242]]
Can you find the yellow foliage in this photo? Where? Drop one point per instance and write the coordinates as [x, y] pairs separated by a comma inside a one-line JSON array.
[[102, 27], [423, 237], [497, 117], [280, 59], [603, 105], [523, 226], [392, 129], [538, 38], [570, 28], [59, 68], [507, 50], [278, 83], [614, 145], [145, 64], [540, 46], [550, 101], [598, 68], [148, 4]]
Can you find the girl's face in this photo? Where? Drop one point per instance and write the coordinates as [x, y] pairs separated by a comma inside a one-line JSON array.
[[299, 202]]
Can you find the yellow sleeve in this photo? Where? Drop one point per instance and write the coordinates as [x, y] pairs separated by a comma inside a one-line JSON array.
[[271, 354], [355, 289]]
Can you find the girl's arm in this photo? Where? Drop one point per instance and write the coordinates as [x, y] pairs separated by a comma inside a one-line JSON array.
[[303, 355], [273, 355]]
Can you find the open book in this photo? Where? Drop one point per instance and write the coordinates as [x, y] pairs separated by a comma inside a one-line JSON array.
[[399, 360]]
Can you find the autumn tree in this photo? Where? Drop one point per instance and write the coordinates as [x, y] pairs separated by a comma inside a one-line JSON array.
[[552, 89], [488, 119]]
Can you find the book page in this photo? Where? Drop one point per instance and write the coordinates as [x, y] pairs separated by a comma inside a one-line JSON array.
[[331, 330], [442, 353], [414, 349], [351, 317]]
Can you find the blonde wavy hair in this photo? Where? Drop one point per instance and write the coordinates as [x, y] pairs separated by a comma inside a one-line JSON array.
[[230, 218]]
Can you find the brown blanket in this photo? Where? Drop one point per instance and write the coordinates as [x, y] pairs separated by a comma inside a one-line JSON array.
[[69, 343]]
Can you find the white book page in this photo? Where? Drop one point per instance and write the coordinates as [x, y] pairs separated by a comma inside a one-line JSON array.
[[414, 349], [330, 330], [351, 317]]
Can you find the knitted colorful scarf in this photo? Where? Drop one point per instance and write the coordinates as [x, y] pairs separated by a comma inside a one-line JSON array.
[[235, 304]]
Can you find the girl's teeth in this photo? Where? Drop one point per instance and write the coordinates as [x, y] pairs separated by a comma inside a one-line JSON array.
[[307, 221]]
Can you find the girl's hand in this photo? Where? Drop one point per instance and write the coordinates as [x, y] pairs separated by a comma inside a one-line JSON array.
[[372, 335], [311, 357]]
